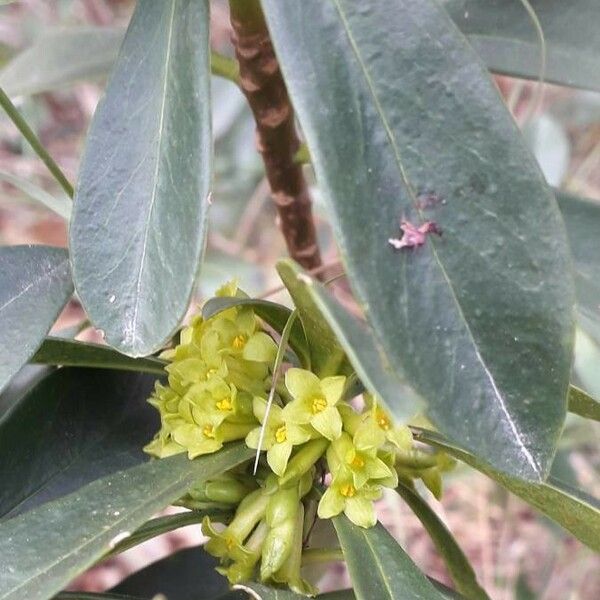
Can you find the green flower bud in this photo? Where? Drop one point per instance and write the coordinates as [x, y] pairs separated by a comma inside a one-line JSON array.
[[243, 569], [304, 459]]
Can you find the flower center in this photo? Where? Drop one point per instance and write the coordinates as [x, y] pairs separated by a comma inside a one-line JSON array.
[[281, 434], [239, 341], [358, 462], [224, 405], [348, 490], [230, 542], [318, 405], [210, 373], [383, 420], [208, 431]]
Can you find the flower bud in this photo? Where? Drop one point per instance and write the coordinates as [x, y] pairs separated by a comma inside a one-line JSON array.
[[304, 459]]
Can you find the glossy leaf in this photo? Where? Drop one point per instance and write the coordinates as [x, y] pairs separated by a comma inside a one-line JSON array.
[[185, 575], [327, 356], [275, 315], [144, 180], [378, 566], [160, 525], [258, 591], [574, 510], [58, 351], [457, 563], [480, 319], [73, 427], [61, 57], [93, 596], [60, 206], [42, 550], [583, 404], [505, 37], [363, 350], [35, 284], [582, 219]]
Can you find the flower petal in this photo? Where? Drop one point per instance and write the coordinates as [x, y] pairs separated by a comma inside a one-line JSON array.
[[302, 384], [328, 423], [331, 504], [260, 348], [360, 511], [333, 388], [278, 456]]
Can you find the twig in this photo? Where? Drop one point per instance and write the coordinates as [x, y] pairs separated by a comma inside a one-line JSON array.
[[277, 139]]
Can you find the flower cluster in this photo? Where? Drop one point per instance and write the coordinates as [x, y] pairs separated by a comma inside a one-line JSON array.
[[219, 378]]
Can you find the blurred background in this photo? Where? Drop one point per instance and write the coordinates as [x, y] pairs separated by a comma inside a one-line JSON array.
[[54, 56]]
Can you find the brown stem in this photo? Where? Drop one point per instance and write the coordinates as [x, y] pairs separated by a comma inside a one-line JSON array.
[[277, 140]]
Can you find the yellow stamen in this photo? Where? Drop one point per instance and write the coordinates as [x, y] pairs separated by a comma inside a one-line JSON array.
[[348, 490], [230, 543], [318, 405], [208, 431], [358, 462], [281, 434], [239, 341], [224, 405], [210, 373], [382, 420]]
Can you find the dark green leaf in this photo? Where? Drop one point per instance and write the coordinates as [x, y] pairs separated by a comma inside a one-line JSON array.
[[44, 549], [481, 319], [160, 525], [262, 592], [24, 380], [378, 566], [139, 216], [457, 563], [186, 575], [57, 351], [505, 37], [574, 510], [582, 219], [275, 315], [35, 284], [363, 350], [62, 57], [583, 405], [93, 596], [326, 354], [61, 205], [73, 427]]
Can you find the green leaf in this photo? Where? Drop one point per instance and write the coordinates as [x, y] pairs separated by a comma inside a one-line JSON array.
[[185, 575], [326, 354], [413, 128], [58, 351], [574, 510], [61, 205], [362, 348], [263, 592], [378, 566], [505, 37], [583, 404], [73, 427], [44, 549], [144, 180], [92, 596], [35, 284], [61, 57], [582, 219], [160, 525], [457, 563], [275, 315]]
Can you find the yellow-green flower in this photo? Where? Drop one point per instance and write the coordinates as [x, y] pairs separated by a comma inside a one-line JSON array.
[[314, 401], [377, 427], [363, 464], [279, 437], [356, 503]]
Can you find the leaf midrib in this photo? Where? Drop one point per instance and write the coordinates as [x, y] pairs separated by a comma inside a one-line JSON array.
[[389, 133]]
